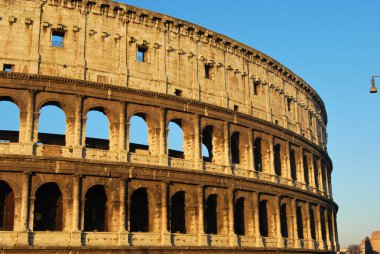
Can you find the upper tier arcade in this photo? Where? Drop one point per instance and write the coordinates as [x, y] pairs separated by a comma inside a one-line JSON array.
[[113, 43]]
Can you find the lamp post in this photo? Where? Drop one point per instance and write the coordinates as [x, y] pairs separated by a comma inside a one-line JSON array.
[[373, 87]]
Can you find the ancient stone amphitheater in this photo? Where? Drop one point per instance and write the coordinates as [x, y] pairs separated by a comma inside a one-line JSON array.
[[264, 185]]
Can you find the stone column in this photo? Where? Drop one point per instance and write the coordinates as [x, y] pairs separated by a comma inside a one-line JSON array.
[[29, 124], [122, 205], [197, 143], [256, 204], [280, 242], [301, 175], [250, 155], [318, 226], [336, 241], [294, 222], [202, 240], [77, 179], [270, 152], [163, 138], [267, 102], [227, 157], [231, 205], [288, 173], [165, 235], [326, 225], [123, 149], [307, 234], [24, 217]]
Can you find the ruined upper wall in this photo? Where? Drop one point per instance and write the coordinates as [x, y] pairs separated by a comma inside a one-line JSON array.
[[101, 40]]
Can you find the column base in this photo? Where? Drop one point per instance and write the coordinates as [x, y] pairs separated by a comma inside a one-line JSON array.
[[123, 239], [233, 240], [123, 156], [202, 240], [166, 238], [28, 148], [77, 152], [76, 238], [164, 160]]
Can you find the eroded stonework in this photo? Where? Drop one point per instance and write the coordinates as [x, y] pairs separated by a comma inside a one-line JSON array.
[[264, 187]]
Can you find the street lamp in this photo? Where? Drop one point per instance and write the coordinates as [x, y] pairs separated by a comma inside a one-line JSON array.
[[373, 87]]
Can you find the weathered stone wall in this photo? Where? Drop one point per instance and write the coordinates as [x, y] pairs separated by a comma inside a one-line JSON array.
[[101, 40]]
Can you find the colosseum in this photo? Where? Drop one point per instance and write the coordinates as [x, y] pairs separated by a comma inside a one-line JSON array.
[[262, 183]]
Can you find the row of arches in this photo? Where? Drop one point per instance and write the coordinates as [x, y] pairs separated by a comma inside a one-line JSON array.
[[253, 151], [275, 216]]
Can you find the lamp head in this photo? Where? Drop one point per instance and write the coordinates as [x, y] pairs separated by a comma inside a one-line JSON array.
[[373, 87]]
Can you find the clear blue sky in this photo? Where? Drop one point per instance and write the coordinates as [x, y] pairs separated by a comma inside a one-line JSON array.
[[335, 47]]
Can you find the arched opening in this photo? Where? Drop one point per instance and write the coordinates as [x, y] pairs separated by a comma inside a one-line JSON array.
[[175, 139], [329, 224], [207, 151], [293, 165], [235, 153], [139, 211], [52, 125], [48, 208], [177, 212], [239, 217], [211, 215], [95, 209], [299, 223], [138, 133], [97, 129], [258, 156], [7, 207], [263, 218], [316, 175], [284, 221], [306, 169], [277, 159], [323, 169], [10, 123], [323, 223], [312, 224]]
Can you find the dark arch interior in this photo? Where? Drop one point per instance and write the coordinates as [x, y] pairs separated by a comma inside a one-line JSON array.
[[7, 207], [235, 153], [207, 135], [263, 218], [48, 208], [177, 213], [211, 215], [277, 159], [323, 224], [95, 209], [293, 167], [299, 223], [239, 217], [258, 156], [306, 169], [284, 221], [316, 178], [312, 224], [139, 217]]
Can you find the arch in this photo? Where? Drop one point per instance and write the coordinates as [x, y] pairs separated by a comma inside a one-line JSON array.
[[257, 155], [138, 132], [277, 159], [211, 220], [306, 169], [300, 230], [284, 221], [263, 218], [95, 209], [7, 207], [52, 124], [207, 140], [323, 223], [239, 218], [293, 165], [139, 211], [48, 208], [312, 224], [175, 139], [97, 129], [235, 153], [316, 173], [10, 120], [178, 213], [7, 97]]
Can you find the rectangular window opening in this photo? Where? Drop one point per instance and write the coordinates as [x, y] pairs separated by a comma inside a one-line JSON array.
[[178, 92], [236, 108], [256, 88], [208, 71], [57, 38], [8, 67], [289, 105], [141, 54]]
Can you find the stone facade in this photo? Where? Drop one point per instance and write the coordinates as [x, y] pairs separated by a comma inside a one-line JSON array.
[[265, 186]]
